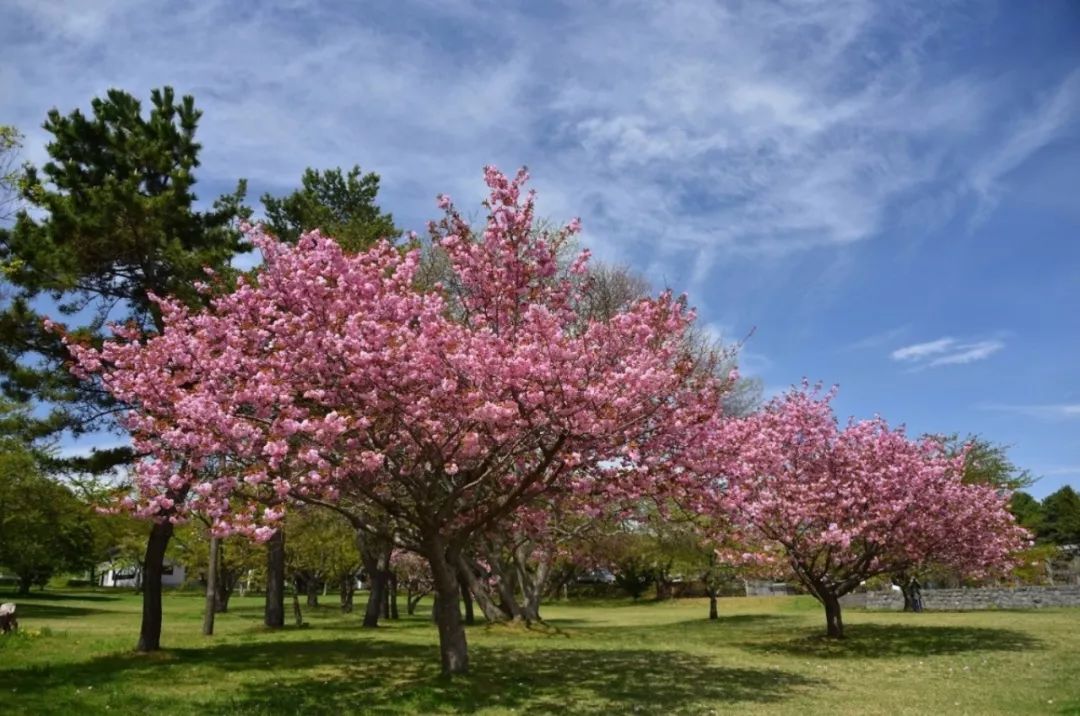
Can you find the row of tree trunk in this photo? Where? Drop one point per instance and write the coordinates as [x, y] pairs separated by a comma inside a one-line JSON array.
[[454, 576]]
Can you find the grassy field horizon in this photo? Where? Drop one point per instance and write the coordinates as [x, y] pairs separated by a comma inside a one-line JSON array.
[[74, 654]]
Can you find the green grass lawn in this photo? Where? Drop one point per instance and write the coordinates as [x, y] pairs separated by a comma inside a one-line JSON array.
[[765, 655]]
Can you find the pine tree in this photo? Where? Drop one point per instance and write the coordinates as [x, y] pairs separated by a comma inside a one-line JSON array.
[[112, 220]]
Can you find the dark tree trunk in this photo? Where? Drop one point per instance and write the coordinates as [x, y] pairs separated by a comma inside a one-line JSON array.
[[412, 601], [466, 597], [714, 613], [909, 600], [376, 598], [348, 586], [392, 593], [312, 592], [386, 595], [274, 616], [25, 582], [226, 580], [153, 566], [224, 591], [211, 588], [375, 556], [453, 648], [298, 616], [834, 623]]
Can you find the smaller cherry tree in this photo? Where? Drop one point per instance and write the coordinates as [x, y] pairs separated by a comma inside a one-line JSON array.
[[847, 504]]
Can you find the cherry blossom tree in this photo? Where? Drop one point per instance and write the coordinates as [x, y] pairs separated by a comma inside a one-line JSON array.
[[846, 504], [339, 375]]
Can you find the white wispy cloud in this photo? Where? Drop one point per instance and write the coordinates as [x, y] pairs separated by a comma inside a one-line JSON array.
[[876, 340], [679, 132], [1060, 471], [919, 351], [947, 351], [1050, 411], [1028, 134], [969, 353]]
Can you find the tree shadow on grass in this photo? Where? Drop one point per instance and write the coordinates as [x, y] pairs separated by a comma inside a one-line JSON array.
[[347, 675], [864, 641], [32, 610], [38, 596]]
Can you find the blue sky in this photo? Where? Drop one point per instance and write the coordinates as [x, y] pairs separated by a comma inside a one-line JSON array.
[[884, 193]]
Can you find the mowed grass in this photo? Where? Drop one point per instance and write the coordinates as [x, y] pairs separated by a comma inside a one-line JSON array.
[[765, 655]]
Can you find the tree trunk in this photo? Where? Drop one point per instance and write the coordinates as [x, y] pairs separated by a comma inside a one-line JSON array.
[[376, 591], [453, 649], [298, 616], [491, 612], [25, 582], [412, 601], [312, 592], [153, 566], [225, 582], [532, 583], [509, 600], [834, 623], [348, 586], [391, 582], [375, 556], [714, 613], [211, 588], [386, 595], [466, 597], [909, 601], [274, 616]]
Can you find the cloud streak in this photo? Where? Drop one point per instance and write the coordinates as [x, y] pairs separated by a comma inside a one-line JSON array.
[[1047, 411], [946, 351], [681, 133]]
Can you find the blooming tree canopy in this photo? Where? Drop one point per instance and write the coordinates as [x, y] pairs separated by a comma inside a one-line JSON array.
[[333, 374], [846, 504]]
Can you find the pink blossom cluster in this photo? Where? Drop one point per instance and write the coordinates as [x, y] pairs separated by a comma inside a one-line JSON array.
[[329, 374], [847, 503]]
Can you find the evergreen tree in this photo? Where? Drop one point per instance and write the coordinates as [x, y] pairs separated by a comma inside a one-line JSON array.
[[1027, 511], [10, 143], [340, 205], [1061, 517], [113, 221]]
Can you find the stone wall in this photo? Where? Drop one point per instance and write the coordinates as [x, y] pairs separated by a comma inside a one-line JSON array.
[[973, 598]]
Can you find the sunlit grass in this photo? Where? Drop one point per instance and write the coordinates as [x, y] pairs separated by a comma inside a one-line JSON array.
[[765, 655]]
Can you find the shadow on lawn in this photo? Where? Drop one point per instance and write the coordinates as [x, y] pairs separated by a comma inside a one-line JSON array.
[[39, 596], [33, 610], [864, 641], [345, 675]]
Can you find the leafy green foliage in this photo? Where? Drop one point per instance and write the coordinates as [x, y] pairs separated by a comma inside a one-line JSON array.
[[338, 204], [1061, 517], [44, 528], [1056, 520], [988, 463], [320, 546], [1027, 511], [10, 143], [111, 220]]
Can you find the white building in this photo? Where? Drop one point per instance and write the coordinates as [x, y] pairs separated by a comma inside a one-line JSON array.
[[129, 575]]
